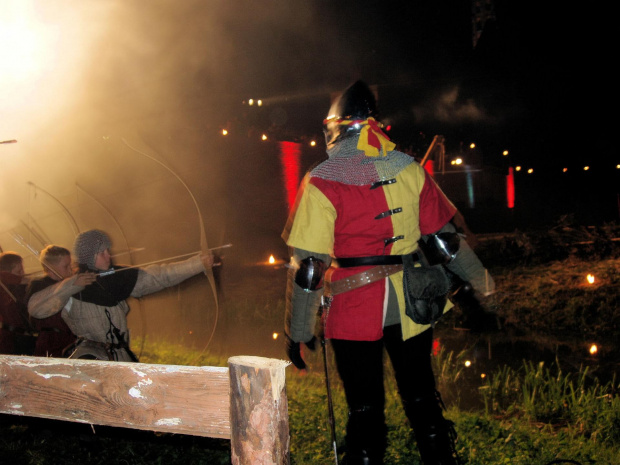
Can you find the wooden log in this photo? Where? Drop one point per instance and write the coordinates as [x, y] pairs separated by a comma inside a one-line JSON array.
[[165, 398], [258, 411]]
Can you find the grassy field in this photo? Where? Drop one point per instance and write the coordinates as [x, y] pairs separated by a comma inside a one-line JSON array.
[[531, 413]]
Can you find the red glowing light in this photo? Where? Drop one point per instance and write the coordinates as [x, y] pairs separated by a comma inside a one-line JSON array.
[[436, 347], [290, 153], [429, 166], [510, 188]]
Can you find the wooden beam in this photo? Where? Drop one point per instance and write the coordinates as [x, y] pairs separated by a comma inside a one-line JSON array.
[[165, 398], [258, 411]]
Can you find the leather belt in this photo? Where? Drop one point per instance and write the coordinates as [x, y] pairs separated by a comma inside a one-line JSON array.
[[374, 260], [360, 279]]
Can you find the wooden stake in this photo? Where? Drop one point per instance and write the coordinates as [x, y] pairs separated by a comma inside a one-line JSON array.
[[258, 411]]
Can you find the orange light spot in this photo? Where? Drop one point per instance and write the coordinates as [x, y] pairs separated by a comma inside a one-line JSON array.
[[272, 259], [590, 278]]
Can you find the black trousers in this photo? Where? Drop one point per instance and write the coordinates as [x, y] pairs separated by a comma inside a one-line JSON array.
[[360, 366]]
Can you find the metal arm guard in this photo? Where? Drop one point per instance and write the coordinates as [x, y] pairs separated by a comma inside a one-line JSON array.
[[441, 247], [304, 291], [309, 275], [467, 266]]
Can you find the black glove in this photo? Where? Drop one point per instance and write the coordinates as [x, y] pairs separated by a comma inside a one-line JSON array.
[[293, 350]]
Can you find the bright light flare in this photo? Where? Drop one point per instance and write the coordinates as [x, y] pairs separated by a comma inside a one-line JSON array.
[[275, 336], [467, 363], [24, 52], [224, 132], [264, 137], [590, 278], [271, 260], [593, 349], [44, 49]]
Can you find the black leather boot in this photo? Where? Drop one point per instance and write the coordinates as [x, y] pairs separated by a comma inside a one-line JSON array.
[[434, 434], [436, 444], [366, 438]]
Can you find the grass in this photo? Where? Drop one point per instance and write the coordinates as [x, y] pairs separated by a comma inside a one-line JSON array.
[[531, 414]]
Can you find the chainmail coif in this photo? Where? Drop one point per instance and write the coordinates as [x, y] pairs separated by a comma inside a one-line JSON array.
[[88, 244], [348, 165]]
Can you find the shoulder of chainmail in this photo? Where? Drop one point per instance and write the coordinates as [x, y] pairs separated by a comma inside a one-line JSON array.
[[349, 165]]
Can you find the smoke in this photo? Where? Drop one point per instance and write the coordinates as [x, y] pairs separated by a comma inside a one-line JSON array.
[[163, 77], [448, 108]]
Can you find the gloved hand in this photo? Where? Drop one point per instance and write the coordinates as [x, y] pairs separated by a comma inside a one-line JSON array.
[[293, 350]]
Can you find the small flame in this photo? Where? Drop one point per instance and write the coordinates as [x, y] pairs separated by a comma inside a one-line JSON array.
[[271, 260], [467, 363], [593, 349], [590, 278], [275, 336]]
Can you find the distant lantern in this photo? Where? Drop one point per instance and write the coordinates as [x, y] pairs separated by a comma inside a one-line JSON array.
[[259, 103], [505, 153], [251, 101], [586, 168], [272, 259], [618, 167], [275, 336], [224, 132], [264, 137], [517, 168], [530, 171], [593, 349], [312, 143], [590, 278], [564, 170], [472, 146], [467, 363]]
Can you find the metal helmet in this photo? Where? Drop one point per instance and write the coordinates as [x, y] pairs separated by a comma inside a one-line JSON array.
[[357, 102]]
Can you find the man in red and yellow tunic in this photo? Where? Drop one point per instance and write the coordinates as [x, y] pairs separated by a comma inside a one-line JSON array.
[[362, 210]]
